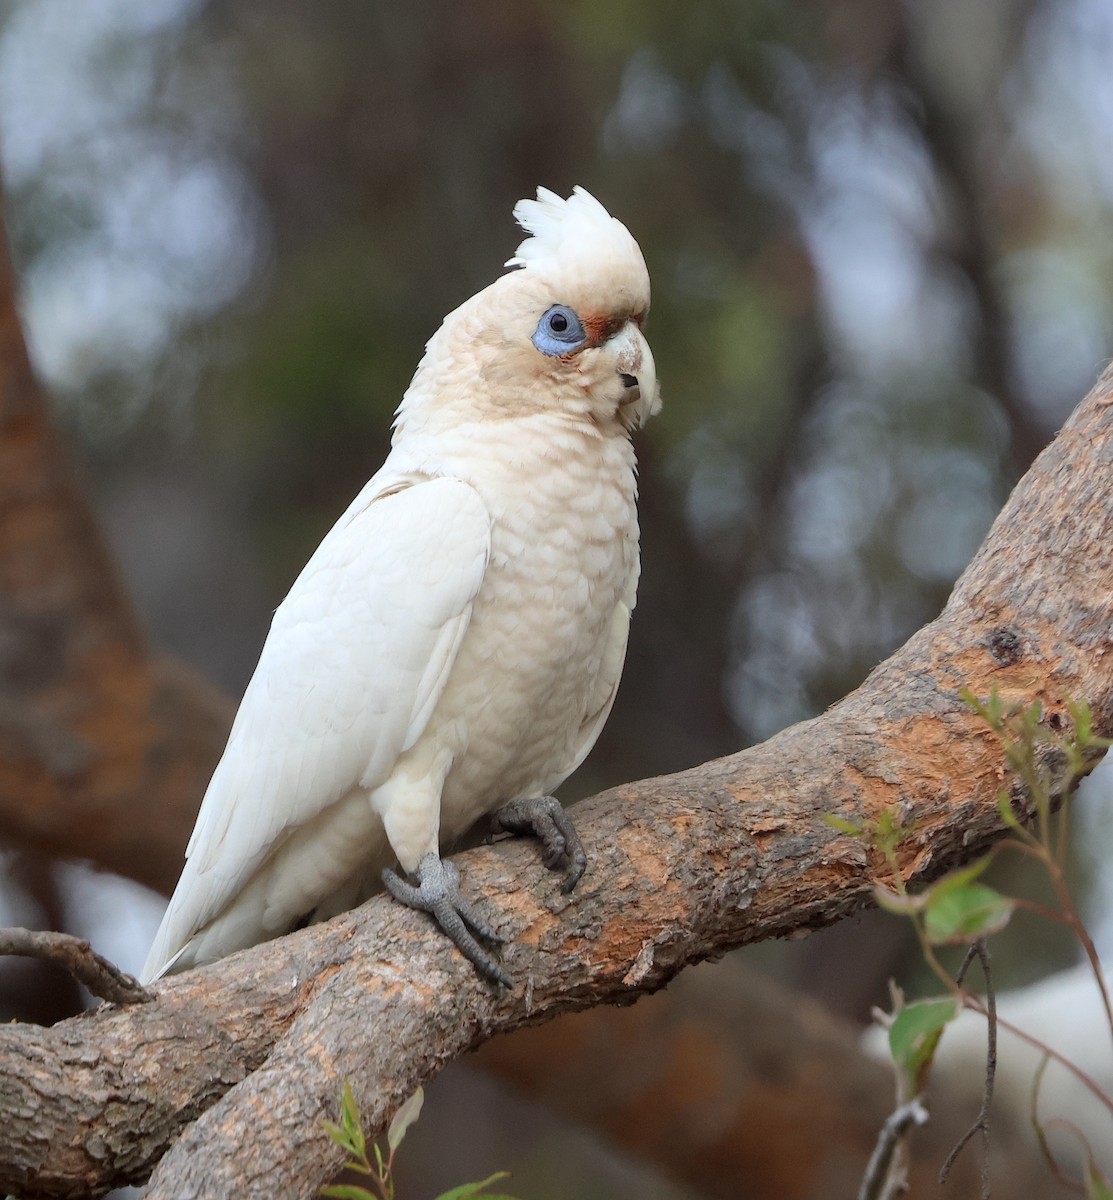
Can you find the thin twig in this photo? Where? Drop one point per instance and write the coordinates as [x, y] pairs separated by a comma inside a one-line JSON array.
[[880, 1181], [1070, 918], [1075, 1185], [102, 978], [981, 1124], [975, 1004]]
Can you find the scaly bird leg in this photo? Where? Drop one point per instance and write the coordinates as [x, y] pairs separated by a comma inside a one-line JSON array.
[[438, 893], [545, 819]]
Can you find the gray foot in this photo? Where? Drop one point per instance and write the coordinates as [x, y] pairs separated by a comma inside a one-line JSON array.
[[545, 819], [438, 893]]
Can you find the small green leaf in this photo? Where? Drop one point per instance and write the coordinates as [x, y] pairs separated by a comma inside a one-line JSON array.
[[350, 1121], [467, 1190], [957, 879], [1019, 754], [843, 825], [1097, 1186], [404, 1118], [914, 1035], [339, 1136], [888, 832], [457, 1194], [1083, 719], [1005, 809], [348, 1191], [964, 912], [990, 711]]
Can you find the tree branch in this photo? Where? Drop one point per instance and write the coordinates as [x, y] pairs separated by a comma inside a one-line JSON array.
[[102, 978], [244, 1059], [886, 1175]]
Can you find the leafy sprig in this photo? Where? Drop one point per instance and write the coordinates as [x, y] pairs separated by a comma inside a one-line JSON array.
[[348, 1135]]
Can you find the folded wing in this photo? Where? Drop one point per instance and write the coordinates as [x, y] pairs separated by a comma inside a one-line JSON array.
[[356, 659]]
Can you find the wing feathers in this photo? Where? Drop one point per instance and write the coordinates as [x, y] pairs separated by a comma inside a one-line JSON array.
[[358, 655]]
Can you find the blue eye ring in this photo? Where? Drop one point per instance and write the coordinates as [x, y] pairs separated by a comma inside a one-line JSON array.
[[560, 331]]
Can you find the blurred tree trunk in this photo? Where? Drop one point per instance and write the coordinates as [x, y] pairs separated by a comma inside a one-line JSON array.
[[105, 749], [957, 144]]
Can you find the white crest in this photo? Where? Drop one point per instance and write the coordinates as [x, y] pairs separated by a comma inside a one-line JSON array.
[[554, 223]]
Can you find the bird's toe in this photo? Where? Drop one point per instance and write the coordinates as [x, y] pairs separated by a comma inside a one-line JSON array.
[[438, 893]]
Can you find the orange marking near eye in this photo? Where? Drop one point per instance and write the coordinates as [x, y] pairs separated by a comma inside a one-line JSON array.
[[600, 328]]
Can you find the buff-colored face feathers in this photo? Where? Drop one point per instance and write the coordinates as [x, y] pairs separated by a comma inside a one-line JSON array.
[[500, 353], [577, 244]]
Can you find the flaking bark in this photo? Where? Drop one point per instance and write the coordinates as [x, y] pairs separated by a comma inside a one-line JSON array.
[[241, 1061]]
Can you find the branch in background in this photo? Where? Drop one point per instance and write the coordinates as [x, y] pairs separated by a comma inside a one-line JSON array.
[[957, 162], [34, 989], [980, 951], [241, 1061], [104, 750], [886, 1176], [105, 980]]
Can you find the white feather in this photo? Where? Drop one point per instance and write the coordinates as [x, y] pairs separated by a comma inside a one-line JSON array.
[[457, 639], [561, 228], [357, 655]]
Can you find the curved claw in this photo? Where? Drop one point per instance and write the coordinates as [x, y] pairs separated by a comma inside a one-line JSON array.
[[438, 893], [544, 817]]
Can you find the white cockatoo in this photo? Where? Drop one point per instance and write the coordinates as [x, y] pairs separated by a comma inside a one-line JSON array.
[[454, 646]]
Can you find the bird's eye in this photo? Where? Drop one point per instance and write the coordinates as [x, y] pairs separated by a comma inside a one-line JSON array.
[[559, 332]]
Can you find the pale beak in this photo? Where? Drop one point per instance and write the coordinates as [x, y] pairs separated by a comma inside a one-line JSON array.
[[634, 362]]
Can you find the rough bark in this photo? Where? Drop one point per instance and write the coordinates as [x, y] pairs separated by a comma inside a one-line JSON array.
[[241, 1061], [105, 750]]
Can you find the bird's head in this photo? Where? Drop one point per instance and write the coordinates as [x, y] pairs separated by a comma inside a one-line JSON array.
[[582, 294], [563, 330]]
